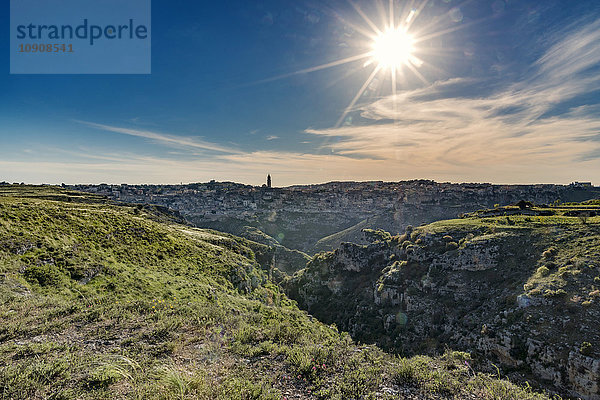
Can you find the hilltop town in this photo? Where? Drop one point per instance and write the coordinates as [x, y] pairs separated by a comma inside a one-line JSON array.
[[317, 217]]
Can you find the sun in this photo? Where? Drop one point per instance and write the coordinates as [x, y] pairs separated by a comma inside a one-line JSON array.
[[393, 48]]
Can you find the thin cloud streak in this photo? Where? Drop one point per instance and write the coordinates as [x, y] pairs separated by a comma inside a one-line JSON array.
[[171, 140]]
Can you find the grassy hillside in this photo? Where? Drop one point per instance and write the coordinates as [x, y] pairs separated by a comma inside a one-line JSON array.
[[101, 301], [353, 234]]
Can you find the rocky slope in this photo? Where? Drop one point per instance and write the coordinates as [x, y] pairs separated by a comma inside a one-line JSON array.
[[105, 301], [521, 291]]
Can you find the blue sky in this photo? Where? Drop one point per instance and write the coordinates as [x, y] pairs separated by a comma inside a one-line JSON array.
[[507, 92]]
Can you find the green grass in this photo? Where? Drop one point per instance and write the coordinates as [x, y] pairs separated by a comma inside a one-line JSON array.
[[330, 242], [569, 266], [100, 301], [571, 269]]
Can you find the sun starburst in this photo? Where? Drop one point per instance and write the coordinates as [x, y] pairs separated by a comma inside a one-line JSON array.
[[391, 48]]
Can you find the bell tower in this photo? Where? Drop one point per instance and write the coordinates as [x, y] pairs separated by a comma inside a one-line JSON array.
[[269, 180]]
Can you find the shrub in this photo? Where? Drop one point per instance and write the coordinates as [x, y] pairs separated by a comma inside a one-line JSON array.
[[550, 264], [358, 382], [585, 348], [555, 293], [421, 372], [451, 246], [543, 271], [549, 253], [373, 235], [43, 275]]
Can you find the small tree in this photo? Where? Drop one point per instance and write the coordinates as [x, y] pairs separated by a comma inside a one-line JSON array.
[[524, 204]]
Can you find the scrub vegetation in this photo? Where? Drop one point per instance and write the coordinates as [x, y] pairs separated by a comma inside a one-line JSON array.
[[101, 300]]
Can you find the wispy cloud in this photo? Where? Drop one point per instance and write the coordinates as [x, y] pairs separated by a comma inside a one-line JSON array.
[[533, 123], [574, 54], [272, 137], [167, 139]]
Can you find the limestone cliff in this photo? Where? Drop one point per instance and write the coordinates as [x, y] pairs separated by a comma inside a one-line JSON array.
[[520, 291]]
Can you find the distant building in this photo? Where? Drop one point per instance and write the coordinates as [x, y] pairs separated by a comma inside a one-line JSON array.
[[269, 180], [581, 184]]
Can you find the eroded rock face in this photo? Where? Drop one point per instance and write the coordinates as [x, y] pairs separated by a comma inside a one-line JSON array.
[[422, 291], [584, 374], [477, 255]]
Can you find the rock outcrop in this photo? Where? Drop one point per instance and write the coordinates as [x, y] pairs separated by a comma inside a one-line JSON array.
[[498, 292]]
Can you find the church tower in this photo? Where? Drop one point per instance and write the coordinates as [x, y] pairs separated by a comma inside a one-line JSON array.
[[269, 180]]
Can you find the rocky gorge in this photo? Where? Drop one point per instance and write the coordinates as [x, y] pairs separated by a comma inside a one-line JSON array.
[[519, 292]]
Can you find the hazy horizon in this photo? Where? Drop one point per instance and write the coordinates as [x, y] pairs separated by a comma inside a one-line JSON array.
[[293, 184]]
